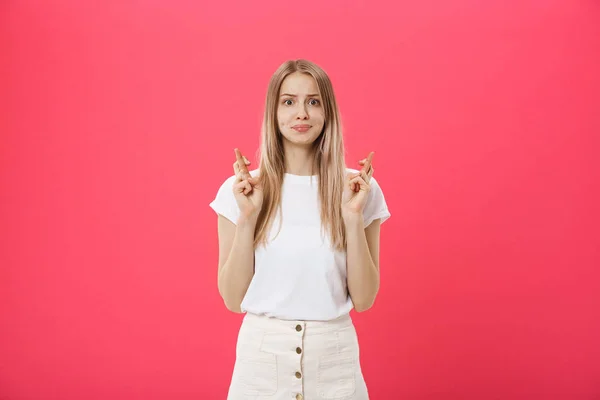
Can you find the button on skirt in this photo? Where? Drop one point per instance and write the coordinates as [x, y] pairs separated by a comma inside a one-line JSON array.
[[302, 360]]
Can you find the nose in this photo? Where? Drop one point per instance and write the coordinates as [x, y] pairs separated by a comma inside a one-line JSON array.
[[302, 114]]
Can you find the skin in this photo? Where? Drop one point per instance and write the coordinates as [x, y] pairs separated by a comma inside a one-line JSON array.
[[362, 250]]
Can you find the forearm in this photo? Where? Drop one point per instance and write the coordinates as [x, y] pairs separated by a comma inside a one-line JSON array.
[[236, 273], [362, 273]]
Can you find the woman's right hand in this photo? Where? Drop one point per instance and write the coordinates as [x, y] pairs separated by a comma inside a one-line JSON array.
[[246, 189]]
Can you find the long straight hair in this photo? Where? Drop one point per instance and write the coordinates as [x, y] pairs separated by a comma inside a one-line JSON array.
[[329, 162]]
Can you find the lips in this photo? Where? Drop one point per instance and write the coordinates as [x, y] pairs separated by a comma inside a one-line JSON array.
[[301, 128]]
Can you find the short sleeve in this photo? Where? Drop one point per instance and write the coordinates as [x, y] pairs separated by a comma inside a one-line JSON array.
[[224, 202], [376, 207]]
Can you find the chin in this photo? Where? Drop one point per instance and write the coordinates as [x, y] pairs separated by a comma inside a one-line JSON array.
[[300, 138], [302, 142]]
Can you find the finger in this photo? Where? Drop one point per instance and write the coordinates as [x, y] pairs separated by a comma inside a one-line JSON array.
[[352, 186], [246, 161], [371, 172], [244, 172], [364, 175], [254, 181], [367, 164], [243, 187], [369, 161], [247, 188], [360, 182], [239, 175], [239, 187], [238, 156], [241, 163], [353, 176], [236, 171]]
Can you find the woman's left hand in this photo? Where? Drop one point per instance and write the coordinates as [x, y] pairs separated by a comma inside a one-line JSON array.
[[357, 188]]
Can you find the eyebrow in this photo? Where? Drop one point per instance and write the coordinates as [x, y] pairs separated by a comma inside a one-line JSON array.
[[293, 95]]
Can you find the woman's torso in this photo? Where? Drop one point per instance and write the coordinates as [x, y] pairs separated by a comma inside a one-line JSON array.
[[298, 275]]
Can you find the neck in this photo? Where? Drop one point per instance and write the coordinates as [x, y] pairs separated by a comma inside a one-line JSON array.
[[298, 160]]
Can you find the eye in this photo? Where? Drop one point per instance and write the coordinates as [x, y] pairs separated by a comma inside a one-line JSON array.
[[314, 102], [287, 102]]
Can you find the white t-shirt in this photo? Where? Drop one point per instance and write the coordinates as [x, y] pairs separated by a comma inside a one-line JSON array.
[[298, 275]]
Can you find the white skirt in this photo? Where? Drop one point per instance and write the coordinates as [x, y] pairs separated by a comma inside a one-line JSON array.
[[297, 360]]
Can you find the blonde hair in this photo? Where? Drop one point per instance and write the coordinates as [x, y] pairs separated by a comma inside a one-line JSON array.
[[328, 157]]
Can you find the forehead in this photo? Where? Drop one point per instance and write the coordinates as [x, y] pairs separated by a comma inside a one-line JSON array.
[[299, 83]]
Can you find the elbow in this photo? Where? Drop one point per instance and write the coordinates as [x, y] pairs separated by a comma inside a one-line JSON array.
[[233, 306], [363, 306], [365, 303], [233, 303], [366, 300]]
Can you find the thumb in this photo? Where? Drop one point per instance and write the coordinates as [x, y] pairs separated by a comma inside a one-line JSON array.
[[255, 182]]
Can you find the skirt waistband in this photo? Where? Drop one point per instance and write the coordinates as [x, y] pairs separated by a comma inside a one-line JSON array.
[[310, 327]]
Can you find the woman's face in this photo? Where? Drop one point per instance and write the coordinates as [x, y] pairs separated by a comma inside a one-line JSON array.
[[300, 114]]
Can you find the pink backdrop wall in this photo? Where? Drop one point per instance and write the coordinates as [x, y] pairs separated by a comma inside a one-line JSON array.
[[118, 123]]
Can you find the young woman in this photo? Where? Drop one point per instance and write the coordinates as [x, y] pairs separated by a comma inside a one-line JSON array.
[[299, 248]]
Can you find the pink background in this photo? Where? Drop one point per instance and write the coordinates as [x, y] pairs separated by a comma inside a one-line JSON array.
[[118, 121]]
